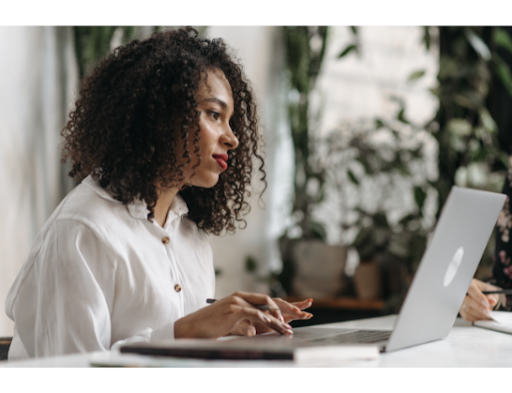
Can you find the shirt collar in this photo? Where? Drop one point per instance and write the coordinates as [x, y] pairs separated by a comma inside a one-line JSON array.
[[138, 208]]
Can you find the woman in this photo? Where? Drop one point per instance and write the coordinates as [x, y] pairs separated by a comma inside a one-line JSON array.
[[163, 140], [477, 306]]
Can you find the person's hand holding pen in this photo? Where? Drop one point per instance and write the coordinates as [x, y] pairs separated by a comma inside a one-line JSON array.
[[239, 314], [286, 312], [478, 303]]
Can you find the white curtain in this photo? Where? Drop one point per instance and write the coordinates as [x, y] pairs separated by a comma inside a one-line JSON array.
[[38, 76]]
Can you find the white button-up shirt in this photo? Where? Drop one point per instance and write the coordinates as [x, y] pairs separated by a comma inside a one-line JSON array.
[[100, 274]]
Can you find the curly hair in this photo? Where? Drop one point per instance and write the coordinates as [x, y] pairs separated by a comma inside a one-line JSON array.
[[135, 107]]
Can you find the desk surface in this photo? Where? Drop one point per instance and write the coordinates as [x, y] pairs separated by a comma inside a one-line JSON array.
[[465, 346]]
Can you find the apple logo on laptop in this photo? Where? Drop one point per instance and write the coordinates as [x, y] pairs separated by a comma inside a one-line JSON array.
[[453, 266]]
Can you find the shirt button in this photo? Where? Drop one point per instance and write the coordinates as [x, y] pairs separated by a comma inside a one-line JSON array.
[[165, 240], [177, 288]]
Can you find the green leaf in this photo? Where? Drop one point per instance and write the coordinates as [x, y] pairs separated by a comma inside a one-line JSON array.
[[379, 123], [318, 230], [416, 75], [502, 39], [397, 99], [354, 30], [426, 37], [352, 177], [419, 197], [250, 264], [503, 72], [347, 50], [401, 116], [478, 45], [459, 127], [468, 99], [366, 165], [400, 167], [487, 121]]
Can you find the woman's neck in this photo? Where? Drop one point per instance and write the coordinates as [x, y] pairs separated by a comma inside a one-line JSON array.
[[163, 204]]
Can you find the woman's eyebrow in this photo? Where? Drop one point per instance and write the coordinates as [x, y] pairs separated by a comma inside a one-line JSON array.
[[218, 101]]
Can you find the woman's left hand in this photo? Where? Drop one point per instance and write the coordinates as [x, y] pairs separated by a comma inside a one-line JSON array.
[[288, 312]]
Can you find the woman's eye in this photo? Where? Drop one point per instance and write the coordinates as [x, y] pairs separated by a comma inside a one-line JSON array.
[[214, 114]]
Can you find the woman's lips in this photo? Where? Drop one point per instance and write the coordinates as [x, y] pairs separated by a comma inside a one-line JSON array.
[[221, 159]]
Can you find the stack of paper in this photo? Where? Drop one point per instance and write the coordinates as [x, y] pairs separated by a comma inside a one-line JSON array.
[[501, 321]]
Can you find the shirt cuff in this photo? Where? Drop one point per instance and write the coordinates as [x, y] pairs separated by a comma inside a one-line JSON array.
[[164, 333]]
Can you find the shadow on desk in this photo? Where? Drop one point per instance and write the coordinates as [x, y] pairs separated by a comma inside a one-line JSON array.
[[340, 310]]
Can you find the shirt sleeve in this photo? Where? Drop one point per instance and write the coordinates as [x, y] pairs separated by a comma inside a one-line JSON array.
[[62, 303], [502, 268]]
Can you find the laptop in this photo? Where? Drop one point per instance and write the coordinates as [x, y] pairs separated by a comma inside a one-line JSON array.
[[433, 300]]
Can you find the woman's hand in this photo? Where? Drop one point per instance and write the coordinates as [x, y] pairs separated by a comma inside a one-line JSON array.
[[224, 317], [286, 312], [477, 306]]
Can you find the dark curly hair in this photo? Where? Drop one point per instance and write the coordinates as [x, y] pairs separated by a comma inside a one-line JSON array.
[[138, 103]]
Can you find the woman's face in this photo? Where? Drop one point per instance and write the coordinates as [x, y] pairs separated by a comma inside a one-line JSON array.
[[215, 102]]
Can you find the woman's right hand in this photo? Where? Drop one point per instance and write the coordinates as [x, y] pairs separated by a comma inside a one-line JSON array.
[[220, 318], [477, 306]]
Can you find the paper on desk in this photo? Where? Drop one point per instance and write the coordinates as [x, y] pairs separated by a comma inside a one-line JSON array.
[[504, 317]]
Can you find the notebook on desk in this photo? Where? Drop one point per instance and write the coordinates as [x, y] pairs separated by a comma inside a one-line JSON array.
[[433, 300], [271, 346], [501, 322]]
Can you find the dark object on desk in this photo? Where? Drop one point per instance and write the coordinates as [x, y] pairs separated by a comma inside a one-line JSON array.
[[263, 307], [299, 348], [5, 343]]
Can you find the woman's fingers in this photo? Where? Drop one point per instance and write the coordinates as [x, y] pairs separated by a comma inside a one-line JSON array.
[[303, 304], [477, 306], [246, 302], [475, 291], [483, 286], [473, 310], [244, 328], [293, 311], [268, 320], [258, 299]]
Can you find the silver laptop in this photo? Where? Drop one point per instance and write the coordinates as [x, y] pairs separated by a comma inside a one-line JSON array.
[[441, 281], [435, 296]]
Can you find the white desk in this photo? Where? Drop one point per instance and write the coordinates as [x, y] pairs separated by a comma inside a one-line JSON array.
[[465, 346]]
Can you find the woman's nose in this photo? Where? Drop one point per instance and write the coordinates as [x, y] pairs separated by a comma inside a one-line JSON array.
[[231, 141]]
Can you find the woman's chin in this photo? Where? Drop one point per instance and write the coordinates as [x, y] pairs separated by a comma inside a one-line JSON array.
[[208, 182]]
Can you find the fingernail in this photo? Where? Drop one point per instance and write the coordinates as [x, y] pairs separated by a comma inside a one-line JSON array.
[[267, 319], [281, 318], [250, 332], [485, 303], [487, 312], [288, 326]]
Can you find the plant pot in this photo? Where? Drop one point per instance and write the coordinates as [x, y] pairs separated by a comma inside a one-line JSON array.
[[318, 269], [367, 280]]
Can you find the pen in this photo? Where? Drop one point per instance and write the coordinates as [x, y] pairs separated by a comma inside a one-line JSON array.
[[501, 291], [262, 307]]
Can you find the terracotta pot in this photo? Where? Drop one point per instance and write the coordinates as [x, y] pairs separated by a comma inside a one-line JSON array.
[[367, 280]]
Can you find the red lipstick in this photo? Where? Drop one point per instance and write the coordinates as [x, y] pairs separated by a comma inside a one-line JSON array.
[[221, 159]]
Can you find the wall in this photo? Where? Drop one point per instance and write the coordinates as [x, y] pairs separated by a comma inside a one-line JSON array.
[[260, 50]]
